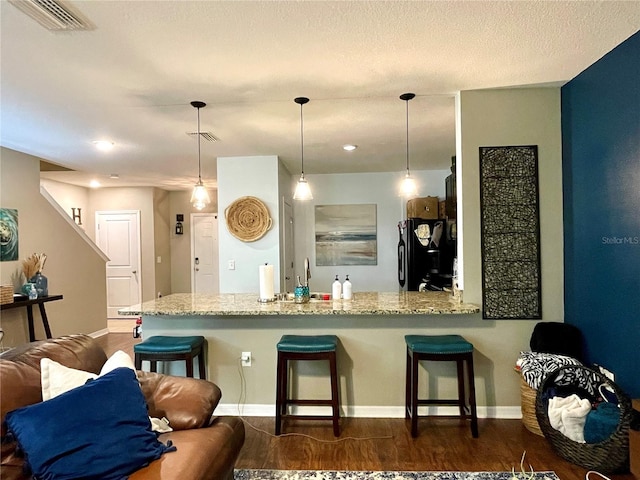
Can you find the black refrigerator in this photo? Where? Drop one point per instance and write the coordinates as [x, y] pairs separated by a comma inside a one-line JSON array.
[[426, 251]]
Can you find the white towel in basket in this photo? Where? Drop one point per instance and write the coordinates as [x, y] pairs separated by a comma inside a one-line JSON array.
[[568, 415]]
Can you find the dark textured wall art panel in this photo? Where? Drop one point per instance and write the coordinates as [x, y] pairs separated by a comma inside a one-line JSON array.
[[510, 233]]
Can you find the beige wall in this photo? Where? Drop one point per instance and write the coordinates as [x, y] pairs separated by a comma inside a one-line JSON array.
[[161, 232], [514, 117], [139, 198], [181, 263], [73, 267], [69, 196]]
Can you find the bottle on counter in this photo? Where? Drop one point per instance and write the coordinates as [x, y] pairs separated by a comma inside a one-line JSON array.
[[33, 293], [336, 289], [347, 289]]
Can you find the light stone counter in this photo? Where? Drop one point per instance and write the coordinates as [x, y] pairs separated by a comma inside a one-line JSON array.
[[364, 303], [371, 352]]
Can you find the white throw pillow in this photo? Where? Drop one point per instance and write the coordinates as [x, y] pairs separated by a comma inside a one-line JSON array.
[[118, 359], [57, 379]]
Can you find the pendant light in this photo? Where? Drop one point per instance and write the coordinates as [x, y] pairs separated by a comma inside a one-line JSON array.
[[408, 187], [200, 196], [302, 192]]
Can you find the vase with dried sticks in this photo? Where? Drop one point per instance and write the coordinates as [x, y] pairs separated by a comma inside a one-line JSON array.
[[32, 268]]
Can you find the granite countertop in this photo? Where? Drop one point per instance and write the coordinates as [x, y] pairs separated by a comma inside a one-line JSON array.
[[363, 303]]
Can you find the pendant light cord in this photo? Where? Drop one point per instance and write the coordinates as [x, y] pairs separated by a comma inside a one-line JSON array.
[[301, 142], [199, 170], [407, 110]]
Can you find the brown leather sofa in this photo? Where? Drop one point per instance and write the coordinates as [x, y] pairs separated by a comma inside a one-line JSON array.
[[207, 446]]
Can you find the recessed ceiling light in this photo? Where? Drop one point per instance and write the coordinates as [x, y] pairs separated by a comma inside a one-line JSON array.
[[103, 145], [94, 184], [349, 148], [114, 176]]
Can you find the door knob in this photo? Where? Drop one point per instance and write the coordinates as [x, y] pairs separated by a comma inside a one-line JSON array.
[[134, 272]]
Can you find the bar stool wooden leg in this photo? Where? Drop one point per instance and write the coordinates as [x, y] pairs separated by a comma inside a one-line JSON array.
[[461, 396], [201, 366], [472, 397], [407, 382], [334, 394], [414, 395], [280, 386], [189, 360], [137, 361]]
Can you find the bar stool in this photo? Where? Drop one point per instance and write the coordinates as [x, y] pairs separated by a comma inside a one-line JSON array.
[[162, 348], [440, 348], [300, 347]]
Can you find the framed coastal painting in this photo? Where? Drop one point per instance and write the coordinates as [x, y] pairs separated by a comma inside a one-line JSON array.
[[8, 234], [346, 235]]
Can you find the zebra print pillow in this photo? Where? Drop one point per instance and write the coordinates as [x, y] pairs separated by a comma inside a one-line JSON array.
[[536, 366]]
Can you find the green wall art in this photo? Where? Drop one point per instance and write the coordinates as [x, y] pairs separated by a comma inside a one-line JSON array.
[[8, 234]]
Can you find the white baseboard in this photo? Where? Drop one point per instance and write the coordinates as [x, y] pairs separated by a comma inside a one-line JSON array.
[[99, 333], [262, 410]]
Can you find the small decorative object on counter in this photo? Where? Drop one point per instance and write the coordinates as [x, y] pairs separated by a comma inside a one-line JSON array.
[[33, 293], [336, 289], [42, 284], [26, 288], [301, 293], [347, 289]]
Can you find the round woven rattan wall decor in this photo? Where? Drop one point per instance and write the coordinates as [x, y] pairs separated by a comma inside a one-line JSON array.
[[248, 219]]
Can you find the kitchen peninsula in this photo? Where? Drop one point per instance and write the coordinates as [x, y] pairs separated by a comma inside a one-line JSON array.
[[371, 352], [365, 303]]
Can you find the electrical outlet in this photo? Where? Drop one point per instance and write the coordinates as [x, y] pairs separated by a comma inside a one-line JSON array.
[[232, 265], [246, 359]]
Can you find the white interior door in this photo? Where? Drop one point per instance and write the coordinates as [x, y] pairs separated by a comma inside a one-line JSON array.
[[118, 236], [288, 248], [204, 253]]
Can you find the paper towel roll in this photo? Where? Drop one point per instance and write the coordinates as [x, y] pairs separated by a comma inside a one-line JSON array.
[[266, 282]]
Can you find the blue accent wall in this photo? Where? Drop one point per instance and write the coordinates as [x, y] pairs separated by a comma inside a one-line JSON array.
[[601, 185]]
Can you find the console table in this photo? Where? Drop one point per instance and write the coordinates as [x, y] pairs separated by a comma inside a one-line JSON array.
[[29, 305]]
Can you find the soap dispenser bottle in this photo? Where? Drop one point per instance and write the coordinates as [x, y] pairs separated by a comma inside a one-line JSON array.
[[346, 289], [336, 288]]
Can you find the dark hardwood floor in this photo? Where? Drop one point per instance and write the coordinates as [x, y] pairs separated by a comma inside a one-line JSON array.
[[386, 444]]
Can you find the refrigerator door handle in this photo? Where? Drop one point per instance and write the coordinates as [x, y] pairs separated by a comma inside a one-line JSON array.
[[401, 263]]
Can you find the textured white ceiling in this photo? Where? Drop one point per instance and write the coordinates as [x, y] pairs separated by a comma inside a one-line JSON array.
[[132, 78]]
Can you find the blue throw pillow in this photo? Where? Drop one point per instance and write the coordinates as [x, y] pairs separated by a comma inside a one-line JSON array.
[[100, 430]]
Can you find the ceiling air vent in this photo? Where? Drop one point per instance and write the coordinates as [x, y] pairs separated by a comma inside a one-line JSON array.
[[53, 15], [208, 136]]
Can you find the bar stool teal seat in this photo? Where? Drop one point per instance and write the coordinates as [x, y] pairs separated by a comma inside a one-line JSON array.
[[440, 348], [169, 349], [306, 347]]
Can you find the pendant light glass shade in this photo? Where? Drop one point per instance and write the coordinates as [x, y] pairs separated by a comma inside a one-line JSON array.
[[408, 187], [200, 196], [303, 191]]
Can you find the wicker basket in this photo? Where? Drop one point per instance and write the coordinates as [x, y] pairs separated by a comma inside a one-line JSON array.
[[6, 294], [608, 456], [528, 407]]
